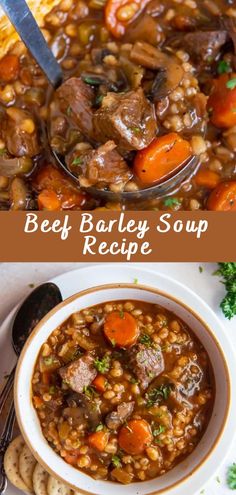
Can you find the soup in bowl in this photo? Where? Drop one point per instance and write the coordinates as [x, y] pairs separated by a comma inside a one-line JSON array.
[[126, 385]]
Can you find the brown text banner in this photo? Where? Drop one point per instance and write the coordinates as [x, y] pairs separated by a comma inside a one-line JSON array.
[[107, 236]]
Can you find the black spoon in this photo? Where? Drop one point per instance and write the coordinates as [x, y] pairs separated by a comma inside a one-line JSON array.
[[33, 309], [39, 302]]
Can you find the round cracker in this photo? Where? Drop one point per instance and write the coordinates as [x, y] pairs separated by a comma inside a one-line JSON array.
[[11, 463], [27, 463], [40, 480], [55, 487]]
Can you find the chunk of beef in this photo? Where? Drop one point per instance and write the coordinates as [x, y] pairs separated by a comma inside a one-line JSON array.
[[80, 373], [115, 419], [204, 44], [75, 100], [103, 165], [19, 141], [127, 118], [146, 363], [82, 410]]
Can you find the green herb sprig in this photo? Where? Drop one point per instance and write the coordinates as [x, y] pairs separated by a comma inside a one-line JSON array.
[[171, 202], [231, 83], [227, 273], [231, 477], [223, 67], [145, 339], [157, 431], [158, 394], [116, 461], [102, 365]]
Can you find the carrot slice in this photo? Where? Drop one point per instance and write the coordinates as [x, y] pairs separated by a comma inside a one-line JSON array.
[[98, 440], [48, 200], [9, 68], [135, 436], [223, 197], [53, 184], [69, 199], [162, 158], [207, 178], [71, 457], [38, 402], [100, 383], [119, 13], [222, 101], [121, 329]]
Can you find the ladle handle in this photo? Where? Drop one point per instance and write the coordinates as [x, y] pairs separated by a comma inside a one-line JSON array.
[[25, 24]]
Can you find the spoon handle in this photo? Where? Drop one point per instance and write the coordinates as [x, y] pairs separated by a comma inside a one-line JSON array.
[[22, 19], [4, 442], [6, 389]]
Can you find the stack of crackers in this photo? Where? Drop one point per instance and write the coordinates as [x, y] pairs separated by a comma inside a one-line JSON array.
[[26, 474]]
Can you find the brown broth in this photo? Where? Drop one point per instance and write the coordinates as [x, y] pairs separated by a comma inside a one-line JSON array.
[[176, 404], [74, 30]]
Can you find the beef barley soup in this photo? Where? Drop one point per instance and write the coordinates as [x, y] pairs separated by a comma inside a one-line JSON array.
[[124, 391], [148, 84]]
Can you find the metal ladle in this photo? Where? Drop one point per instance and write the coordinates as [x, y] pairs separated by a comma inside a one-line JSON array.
[[22, 19]]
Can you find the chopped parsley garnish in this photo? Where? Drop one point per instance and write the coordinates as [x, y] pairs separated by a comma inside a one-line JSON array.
[[231, 84], [170, 202], [89, 391], [158, 394], [102, 365], [3, 151], [223, 67], [218, 479], [145, 339], [133, 380], [231, 477], [157, 431], [136, 129], [200, 269], [99, 427], [116, 461], [227, 273], [135, 281], [52, 390], [77, 161], [121, 314], [113, 342], [93, 81]]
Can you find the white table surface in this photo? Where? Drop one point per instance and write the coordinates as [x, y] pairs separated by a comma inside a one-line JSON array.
[[16, 280]]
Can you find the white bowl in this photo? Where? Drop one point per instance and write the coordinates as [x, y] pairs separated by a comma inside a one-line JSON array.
[[188, 476]]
